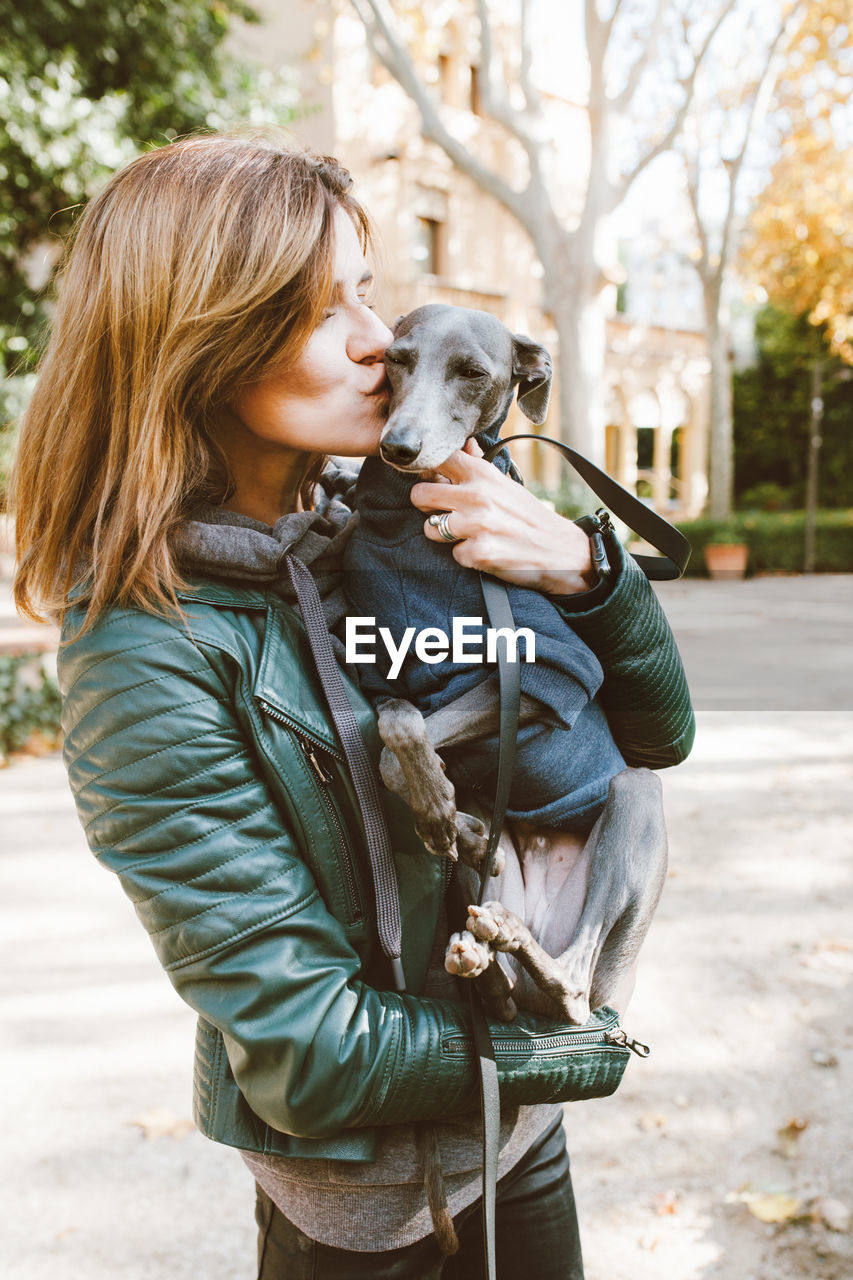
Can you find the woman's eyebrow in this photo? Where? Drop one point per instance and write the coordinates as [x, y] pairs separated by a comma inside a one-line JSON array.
[[339, 289]]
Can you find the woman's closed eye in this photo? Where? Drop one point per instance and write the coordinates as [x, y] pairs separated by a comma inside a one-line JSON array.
[[332, 311]]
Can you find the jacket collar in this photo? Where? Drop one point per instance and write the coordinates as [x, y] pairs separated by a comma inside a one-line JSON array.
[[226, 595]]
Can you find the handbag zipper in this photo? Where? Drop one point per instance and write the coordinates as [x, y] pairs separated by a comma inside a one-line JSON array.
[[617, 1036], [310, 746], [601, 1037]]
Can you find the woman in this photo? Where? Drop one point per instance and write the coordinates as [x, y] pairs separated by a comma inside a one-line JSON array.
[[212, 342]]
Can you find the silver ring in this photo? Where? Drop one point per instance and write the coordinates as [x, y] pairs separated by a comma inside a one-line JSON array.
[[440, 523]]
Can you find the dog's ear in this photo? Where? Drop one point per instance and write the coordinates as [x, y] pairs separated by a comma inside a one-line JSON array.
[[532, 369]]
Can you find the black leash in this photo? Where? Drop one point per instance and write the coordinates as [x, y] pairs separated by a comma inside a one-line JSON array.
[[675, 552], [659, 533], [509, 679]]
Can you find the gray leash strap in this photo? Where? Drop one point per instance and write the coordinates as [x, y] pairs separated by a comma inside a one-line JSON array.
[[360, 766], [499, 612]]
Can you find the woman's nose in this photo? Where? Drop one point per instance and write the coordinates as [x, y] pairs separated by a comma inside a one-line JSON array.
[[368, 342]]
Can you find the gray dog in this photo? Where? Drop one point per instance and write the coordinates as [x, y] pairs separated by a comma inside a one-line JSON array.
[[571, 927]]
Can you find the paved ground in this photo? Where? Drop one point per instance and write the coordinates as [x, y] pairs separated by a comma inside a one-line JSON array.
[[744, 994], [766, 644]]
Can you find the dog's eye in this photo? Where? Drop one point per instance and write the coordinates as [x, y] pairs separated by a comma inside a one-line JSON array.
[[471, 372]]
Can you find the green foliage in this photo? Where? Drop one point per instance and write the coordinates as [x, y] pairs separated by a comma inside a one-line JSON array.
[[772, 416], [567, 500], [723, 533], [29, 703], [767, 495], [776, 540], [7, 449], [84, 86], [14, 393]]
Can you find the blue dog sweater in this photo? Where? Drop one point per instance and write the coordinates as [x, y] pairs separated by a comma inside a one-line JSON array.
[[394, 574]]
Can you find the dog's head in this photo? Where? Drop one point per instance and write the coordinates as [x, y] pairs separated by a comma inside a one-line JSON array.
[[452, 373]]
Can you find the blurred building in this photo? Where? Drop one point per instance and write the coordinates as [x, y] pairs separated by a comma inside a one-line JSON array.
[[446, 240]]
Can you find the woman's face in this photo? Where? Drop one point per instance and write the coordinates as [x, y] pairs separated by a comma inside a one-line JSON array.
[[335, 398]]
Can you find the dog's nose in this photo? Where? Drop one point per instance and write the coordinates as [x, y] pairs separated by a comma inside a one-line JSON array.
[[400, 452]]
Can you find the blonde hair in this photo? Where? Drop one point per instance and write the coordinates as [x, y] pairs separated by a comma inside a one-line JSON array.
[[198, 268]]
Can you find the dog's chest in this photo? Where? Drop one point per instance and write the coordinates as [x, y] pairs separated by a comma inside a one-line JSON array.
[[547, 861]]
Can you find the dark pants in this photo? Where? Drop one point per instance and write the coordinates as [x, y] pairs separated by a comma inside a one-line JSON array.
[[537, 1233]]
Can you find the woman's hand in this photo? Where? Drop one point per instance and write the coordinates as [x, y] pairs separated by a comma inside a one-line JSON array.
[[502, 528]]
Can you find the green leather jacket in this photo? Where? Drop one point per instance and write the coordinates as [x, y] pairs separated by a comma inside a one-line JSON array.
[[208, 777]]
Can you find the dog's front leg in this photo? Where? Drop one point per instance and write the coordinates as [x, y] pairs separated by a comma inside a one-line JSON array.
[[597, 920], [468, 957], [472, 715], [494, 925], [410, 767]]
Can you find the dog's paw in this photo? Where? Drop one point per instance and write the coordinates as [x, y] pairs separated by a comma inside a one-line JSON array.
[[439, 834], [472, 840], [472, 837], [495, 924], [466, 956]]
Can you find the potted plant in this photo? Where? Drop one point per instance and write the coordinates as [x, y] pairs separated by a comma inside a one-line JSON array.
[[726, 553]]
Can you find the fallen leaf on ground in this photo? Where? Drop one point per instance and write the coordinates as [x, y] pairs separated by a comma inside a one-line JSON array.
[[666, 1202], [833, 1213], [824, 1058], [651, 1120], [774, 1208], [831, 955], [161, 1123], [789, 1134]]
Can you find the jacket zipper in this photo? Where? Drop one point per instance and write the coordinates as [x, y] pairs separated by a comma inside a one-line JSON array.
[[324, 779], [310, 745], [299, 729]]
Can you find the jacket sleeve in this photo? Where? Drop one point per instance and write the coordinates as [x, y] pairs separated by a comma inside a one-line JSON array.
[[645, 693], [172, 801]]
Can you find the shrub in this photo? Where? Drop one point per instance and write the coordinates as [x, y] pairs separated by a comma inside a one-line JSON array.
[[29, 704], [772, 414], [776, 540], [767, 496]]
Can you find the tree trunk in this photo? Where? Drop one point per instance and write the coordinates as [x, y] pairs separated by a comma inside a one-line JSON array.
[[581, 334], [721, 442], [815, 442], [574, 298]]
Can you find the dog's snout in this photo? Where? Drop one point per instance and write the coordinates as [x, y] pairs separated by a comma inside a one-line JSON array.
[[400, 453]]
